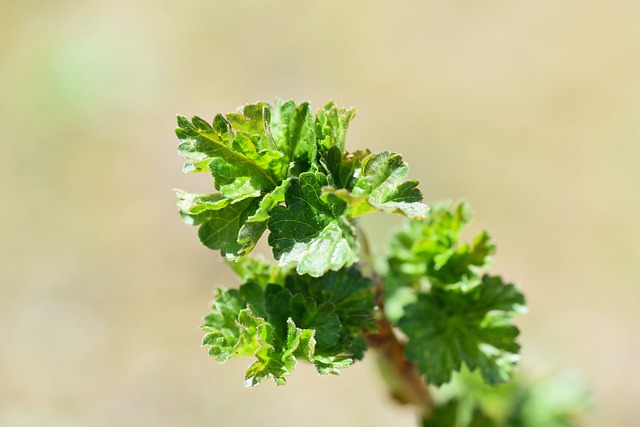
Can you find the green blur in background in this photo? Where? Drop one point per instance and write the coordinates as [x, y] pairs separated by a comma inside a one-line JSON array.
[[529, 110]]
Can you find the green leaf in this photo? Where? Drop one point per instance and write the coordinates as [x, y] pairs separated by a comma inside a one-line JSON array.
[[381, 186], [444, 415], [252, 156], [429, 249], [353, 300], [270, 201], [233, 331], [264, 156], [549, 402], [451, 327], [252, 119], [319, 317], [453, 414], [344, 169], [456, 264], [257, 338], [220, 325], [331, 125], [256, 269], [293, 133], [309, 232], [202, 142], [302, 320], [191, 205], [480, 419], [546, 402], [246, 164], [220, 228]]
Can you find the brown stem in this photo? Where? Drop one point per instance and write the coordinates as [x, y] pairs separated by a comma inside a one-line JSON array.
[[402, 376]]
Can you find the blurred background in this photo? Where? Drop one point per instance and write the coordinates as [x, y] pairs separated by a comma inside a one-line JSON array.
[[529, 110]]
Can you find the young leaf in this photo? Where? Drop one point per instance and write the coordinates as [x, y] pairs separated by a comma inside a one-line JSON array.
[[202, 142], [451, 327], [302, 320], [256, 269], [221, 327], [263, 156], [309, 232], [257, 338], [343, 169], [292, 129], [331, 126], [234, 331], [220, 227], [381, 186], [429, 249], [247, 168], [353, 299], [250, 154]]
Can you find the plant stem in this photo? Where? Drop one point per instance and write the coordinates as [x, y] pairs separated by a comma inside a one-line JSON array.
[[401, 375]]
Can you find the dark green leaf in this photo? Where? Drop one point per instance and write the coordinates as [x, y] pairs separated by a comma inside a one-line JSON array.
[[480, 419], [220, 229], [451, 327], [303, 320], [353, 300], [444, 415], [381, 186], [310, 233], [344, 169], [320, 318]]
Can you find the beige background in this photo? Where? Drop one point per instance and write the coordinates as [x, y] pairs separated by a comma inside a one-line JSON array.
[[530, 110]]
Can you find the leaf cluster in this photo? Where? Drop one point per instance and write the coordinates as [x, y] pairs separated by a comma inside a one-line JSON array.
[[319, 320], [454, 315], [283, 169]]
